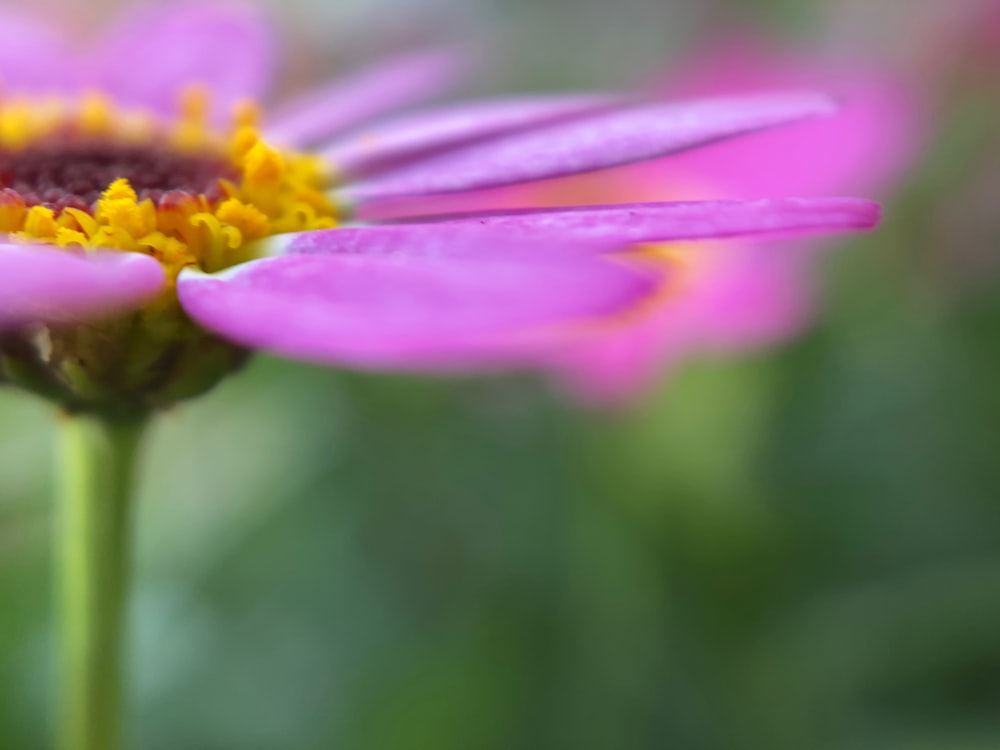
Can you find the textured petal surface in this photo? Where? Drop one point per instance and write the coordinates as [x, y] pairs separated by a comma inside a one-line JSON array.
[[671, 221], [592, 143], [51, 285], [423, 133], [437, 240], [34, 57], [223, 47], [390, 85], [412, 310]]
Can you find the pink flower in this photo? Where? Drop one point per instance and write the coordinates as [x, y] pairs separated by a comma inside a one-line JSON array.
[[736, 295], [149, 247]]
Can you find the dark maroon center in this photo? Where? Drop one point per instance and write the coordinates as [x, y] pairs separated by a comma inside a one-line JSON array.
[[73, 175]]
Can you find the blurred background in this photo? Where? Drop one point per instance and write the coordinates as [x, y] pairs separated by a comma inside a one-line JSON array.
[[796, 548]]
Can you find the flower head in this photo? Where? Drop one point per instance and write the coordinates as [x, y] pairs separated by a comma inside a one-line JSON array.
[[158, 226]]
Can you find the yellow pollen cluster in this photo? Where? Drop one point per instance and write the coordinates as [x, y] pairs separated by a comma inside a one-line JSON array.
[[261, 192]]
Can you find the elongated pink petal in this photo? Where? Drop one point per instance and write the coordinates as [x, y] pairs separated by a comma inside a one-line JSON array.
[[34, 58], [410, 311], [432, 240], [391, 85], [388, 143], [610, 227], [51, 285], [156, 53], [680, 220], [592, 143]]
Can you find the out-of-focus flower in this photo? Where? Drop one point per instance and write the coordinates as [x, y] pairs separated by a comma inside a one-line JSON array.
[[735, 295], [150, 245]]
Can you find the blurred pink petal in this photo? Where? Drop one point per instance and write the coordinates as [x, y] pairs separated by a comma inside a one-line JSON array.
[[50, 285], [393, 84], [748, 296], [737, 298], [226, 48], [869, 141], [423, 133], [611, 139], [34, 57], [412, 310]]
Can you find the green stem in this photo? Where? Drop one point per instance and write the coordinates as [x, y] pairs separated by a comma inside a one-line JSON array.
[[96, 469]]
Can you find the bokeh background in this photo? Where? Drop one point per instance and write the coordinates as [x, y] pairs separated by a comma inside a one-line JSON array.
[[796, 549]]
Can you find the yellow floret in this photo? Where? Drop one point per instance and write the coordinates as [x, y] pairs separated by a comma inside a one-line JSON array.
[[273, 192], [96, 115], [263, 166], [40, 223]]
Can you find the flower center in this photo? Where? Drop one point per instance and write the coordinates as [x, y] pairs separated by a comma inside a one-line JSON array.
[[91, 175], [87, 175], [75, 173]]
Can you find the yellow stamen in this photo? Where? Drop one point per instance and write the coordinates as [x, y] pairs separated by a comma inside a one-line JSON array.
[[96, 115], [246, 114], [40, 223], [270, 191], [12, 212], [263, 166]]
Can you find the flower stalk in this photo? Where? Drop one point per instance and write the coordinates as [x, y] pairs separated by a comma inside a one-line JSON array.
[[95, 473]]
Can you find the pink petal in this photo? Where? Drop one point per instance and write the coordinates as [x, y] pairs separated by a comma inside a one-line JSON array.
[[423, 133], [593, 229], [156, 53], [391, 85], [411, 311], [870, 140], [592, 143], [51, 285], [34, 57], [434, 240], [743, 297], [629, 223]]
